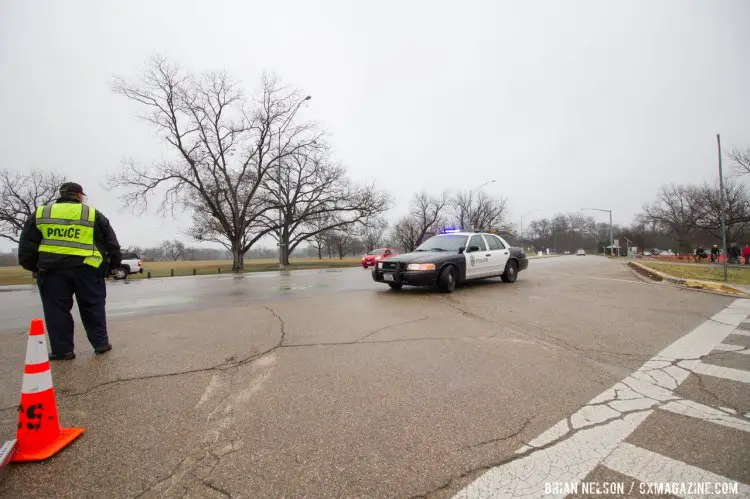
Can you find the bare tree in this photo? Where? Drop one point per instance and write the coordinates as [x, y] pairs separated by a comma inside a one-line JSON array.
[[676, 211], [319, 241], [736, 208], [372, 232], [340, 241], [21, 194], [407, 233], [174, 250], [478, 211], [740, 161], [429, 212], [224, 149], [541, 229], [315, 196]]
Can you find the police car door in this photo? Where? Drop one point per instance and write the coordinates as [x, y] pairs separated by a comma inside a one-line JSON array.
[[500, 253], [478, 262]]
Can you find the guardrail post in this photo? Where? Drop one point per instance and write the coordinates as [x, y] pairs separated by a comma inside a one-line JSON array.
[[193, 271], [219, 270], [171, 272], [148, 275]]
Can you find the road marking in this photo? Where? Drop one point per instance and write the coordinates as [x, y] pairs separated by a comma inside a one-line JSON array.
[[650, 467], [732, 348], [706, 413], [719, 371], [573, 447], [213, 384]]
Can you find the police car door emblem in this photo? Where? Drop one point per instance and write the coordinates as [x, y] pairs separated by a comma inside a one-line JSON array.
[[471, 260]]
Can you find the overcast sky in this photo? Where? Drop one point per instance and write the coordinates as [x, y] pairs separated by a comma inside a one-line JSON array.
[[566, 104]]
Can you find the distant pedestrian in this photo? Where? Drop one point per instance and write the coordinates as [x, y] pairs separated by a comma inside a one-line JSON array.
[[67, 245], [734, 254], [746, 254], [700, 254]]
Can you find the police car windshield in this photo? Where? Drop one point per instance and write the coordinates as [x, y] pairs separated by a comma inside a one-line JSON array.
[[446, 242]]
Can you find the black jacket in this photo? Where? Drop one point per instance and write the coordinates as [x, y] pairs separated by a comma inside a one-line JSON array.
[[104, 239]]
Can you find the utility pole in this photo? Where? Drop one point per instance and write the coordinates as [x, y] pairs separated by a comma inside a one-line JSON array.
[[723, 213], [283, 254], [554, 234], [611, 236]]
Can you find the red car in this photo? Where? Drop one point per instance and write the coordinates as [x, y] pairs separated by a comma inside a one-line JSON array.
[[371, 258]]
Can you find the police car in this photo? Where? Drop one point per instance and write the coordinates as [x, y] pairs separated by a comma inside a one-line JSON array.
[[450, 258]]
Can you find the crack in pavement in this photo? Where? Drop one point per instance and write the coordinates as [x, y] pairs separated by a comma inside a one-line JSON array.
[[282, 326], [500, 439], [703, 388], [362, 339], [217, 489], [545, 338]]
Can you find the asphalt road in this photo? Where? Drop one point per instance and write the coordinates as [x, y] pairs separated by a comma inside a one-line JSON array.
[[324, 383]]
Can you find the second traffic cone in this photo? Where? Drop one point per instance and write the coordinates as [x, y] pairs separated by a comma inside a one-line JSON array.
[[39, 434]]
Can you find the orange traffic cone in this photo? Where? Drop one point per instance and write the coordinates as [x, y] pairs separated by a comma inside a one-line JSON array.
[[39, 434]]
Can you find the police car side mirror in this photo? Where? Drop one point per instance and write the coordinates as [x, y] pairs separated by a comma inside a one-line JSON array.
[[473, 248], [461, 250]]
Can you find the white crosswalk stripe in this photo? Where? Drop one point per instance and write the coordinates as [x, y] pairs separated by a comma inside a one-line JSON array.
[[596, 433], [719, 371], [650, 467], [732, 348], [707, 413]]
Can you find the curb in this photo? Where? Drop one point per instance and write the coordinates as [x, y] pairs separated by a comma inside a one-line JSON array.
[[713, 287]]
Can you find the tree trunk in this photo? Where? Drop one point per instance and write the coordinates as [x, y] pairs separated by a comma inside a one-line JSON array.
[[320, 252], [238, 259], [284, 249]]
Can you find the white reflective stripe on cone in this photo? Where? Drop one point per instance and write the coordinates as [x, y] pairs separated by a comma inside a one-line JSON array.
[[35, 383], [36, 350]]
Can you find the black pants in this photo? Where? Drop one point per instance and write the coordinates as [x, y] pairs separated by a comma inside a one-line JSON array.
[[56, 288]]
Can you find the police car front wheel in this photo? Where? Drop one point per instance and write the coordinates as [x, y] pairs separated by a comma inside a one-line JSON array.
[[447, 279]]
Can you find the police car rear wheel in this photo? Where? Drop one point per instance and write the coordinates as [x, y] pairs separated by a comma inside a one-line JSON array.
[[511, 272], [447, 280]]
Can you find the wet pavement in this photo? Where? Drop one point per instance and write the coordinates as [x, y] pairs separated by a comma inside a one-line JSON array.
[[326, 384]]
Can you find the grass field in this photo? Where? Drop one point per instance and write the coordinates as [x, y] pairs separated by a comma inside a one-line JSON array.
[[734, 275], [17, 275]]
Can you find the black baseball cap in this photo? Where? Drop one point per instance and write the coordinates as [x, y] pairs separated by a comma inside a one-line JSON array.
[[71, 188]]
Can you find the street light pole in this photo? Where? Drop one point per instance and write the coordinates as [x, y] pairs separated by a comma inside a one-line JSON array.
[[472, 192], [611, 235], [282, 243], [723, 214]]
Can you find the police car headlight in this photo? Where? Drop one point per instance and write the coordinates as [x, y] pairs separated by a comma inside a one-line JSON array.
[[420, 266], [380, 265]]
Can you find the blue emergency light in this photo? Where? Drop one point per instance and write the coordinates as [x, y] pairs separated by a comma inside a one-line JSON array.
[[449, 230]]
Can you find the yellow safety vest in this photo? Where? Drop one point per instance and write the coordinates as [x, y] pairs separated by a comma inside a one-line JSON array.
[[68, 229]]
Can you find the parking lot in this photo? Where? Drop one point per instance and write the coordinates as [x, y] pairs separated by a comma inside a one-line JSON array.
[[324, 383]]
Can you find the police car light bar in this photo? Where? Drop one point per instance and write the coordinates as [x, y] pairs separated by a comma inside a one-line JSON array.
[[449, 230]]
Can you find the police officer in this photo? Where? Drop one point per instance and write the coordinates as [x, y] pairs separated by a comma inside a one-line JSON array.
[[70, 247]]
